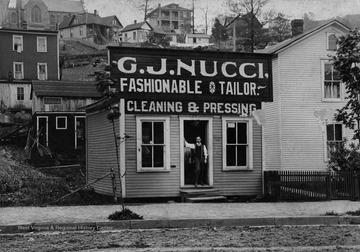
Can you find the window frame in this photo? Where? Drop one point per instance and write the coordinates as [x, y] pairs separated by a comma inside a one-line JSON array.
[[249, 123], [342, 91], [57, 122], [20, 96], [326, 145], [36, 15], [39, 47], [38, 71], [328, 41], [21, 43], [15, 72], [166, 130]]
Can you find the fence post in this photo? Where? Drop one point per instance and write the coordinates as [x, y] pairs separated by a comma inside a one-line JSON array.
[[356, 185], [113, 180], [328, 185]]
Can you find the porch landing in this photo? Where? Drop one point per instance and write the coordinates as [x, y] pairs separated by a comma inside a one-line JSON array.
[[201, 195]]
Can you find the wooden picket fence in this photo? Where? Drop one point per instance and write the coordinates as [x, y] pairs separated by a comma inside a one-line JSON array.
[[311, 185]]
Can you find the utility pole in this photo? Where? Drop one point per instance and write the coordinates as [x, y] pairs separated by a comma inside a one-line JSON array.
[[193, 16]]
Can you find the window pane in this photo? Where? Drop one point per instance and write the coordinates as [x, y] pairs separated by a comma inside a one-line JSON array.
[[146, 153], [231, 133], [230, 155], [327, 90], [242, 133], [338, 132], [328, 69], [241, 155], [147, 132], [330, 132], [336, 90], [158, 132], [332, 42], [158, 156]]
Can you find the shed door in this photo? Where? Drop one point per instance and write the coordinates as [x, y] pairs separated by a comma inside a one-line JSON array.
[[42, 131]]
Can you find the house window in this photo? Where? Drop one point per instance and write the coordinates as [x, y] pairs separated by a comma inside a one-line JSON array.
[[17, 43], [332, 84], [153, 145], [71, 32], [18, 70], [52, 100], [114, 22], [80, 30], [42, 71], [334, 137], [61, 34], [76, 21], [41, 44], [36, 15], [52, 20], [61, 122], [331, 42], [237, 144], [20, 94], [134, 36]]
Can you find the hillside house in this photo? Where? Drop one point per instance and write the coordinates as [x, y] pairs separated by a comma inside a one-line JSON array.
[[171, 17], [26, 55], [300, 123], [92, 28], [136, 32]]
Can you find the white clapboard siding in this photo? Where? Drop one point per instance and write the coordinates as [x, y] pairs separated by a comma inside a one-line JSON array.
[[100, 148], [150, 184], [271, 128], [8, 95], [244, 182], [298, 79]]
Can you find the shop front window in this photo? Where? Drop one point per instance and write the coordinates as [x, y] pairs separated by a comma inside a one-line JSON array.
[[237, 144], [153, 144]]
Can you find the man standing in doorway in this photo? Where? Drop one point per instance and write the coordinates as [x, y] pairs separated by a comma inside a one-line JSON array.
[[200, 160]]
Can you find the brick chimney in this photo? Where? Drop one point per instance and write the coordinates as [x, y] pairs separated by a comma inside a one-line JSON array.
[[95, 12], [297, 27], [135, 21]]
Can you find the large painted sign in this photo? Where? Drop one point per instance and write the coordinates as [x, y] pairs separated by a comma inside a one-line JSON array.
[[191, 82]]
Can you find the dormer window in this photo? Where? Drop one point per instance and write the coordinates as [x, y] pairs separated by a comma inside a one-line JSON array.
[[331, 42]]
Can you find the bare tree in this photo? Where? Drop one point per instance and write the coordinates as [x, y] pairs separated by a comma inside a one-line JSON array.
[[143, 5], [253, 8], [205, 10]]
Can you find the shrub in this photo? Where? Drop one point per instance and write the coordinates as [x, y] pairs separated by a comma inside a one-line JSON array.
[[344, 158]]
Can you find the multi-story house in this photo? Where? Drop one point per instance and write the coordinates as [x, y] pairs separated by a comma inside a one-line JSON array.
[[39, 14], [300, 125], [92, 28], [26, 55], [171, 17]]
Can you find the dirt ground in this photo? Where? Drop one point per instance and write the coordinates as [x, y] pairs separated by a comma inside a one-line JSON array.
[[194, 239]]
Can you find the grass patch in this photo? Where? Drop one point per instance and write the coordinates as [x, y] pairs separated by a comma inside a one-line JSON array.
[[354, 213]]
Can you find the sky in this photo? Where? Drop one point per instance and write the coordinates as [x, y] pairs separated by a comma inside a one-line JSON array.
[[127, 12]]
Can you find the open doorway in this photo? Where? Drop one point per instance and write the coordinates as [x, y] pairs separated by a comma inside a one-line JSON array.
[[193, 129]]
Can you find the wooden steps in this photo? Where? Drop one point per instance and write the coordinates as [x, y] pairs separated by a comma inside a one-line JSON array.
[[201, 195]]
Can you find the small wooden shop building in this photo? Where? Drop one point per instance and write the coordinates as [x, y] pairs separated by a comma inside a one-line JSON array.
[[168, 96]]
